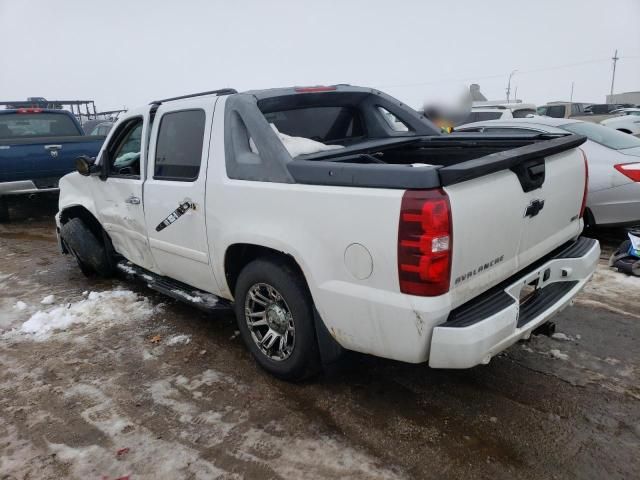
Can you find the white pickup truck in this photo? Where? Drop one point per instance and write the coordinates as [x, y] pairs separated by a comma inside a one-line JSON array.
[[328, 226]]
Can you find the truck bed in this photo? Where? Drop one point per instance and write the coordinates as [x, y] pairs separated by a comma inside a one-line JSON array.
[[427, 162]]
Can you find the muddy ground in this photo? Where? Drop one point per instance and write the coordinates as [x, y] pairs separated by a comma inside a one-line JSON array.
[[150, 388]]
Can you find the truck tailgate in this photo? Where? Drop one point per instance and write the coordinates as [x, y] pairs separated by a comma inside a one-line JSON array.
[[505, 220]]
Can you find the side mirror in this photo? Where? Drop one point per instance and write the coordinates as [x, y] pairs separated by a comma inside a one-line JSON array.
[[85, 165]]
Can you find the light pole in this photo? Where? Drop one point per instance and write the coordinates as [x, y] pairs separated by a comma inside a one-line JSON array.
[[509, 84], [615, 59]]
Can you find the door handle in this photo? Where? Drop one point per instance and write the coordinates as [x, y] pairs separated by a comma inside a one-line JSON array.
[[132, 200], [53, 147]]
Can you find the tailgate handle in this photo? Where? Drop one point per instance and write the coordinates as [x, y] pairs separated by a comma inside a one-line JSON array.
[[53, 147], [530, 173], [536, 170]]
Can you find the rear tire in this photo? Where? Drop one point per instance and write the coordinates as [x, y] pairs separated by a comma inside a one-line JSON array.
[[275, 317], [89, 252]]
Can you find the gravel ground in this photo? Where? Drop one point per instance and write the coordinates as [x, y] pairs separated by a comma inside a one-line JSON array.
[[135, 385]]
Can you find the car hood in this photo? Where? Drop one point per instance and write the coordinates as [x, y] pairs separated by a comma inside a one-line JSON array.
[[634, 152]]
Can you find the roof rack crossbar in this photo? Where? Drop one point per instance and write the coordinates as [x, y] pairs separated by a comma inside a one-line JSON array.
[[222, 91]]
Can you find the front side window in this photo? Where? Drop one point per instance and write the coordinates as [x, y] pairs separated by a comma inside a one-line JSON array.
[[179, 146], [124, 149]]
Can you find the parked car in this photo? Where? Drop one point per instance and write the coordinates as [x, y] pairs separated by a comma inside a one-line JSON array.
[[563, 109], [628, 121], [601, 108], [494, 112], [329, 228], [37, 147], [614, 166]]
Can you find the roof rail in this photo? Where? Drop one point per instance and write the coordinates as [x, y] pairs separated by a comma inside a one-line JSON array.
[[222, 91]]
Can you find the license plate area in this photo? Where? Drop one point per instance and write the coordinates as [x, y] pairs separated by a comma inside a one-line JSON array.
[[532, 288], [529, 291]]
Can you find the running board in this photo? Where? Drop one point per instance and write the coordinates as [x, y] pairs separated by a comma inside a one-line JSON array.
[[180, 291]]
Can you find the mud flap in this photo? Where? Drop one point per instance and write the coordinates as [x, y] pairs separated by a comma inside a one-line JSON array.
[[4, 209], [330, 350]]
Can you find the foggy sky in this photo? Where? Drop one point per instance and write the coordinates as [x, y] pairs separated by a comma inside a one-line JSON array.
[[126, 53]]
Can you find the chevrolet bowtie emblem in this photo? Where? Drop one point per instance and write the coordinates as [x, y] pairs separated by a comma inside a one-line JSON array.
[[534, 208]]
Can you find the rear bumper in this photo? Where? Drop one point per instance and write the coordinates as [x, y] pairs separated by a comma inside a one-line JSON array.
[[482, 328], [26, 187]]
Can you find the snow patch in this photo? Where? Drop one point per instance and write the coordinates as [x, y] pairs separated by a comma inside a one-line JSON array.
[[97, 307], [297, 145], [20, 305], [48, 300], [611, 283], [561, 336], [188, 297], [127, 268], [178, 340], [555, 353]]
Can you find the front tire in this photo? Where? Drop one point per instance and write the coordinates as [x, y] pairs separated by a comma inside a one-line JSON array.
[[90, 252], [275, 317]]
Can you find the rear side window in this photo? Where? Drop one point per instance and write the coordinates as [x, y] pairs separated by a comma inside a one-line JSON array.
[[323, 124], [27, 125], [576, 109], [179, 146], [555, 111]]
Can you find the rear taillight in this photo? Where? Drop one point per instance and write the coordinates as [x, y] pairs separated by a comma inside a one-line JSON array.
[[424, 243], [586, 184], [631, 170], [29, 110]]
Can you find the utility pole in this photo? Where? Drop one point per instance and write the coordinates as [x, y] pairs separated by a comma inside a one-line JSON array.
[[509, 84], [571, 96], [615, 59]]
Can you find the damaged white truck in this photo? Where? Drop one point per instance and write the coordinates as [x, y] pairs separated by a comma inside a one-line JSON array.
[[335, 218]]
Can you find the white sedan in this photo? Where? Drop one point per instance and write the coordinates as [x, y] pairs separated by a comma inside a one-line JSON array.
[[613, 158], [627, 122]]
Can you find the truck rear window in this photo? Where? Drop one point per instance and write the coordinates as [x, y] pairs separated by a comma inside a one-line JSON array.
[[323, 124], [26, 125]]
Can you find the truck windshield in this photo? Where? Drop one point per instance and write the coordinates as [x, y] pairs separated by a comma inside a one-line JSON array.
[[27, 125], [603, 135]]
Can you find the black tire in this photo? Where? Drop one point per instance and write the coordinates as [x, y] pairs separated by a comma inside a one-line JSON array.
[[4, 210], [304, 359], [89, 251]]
